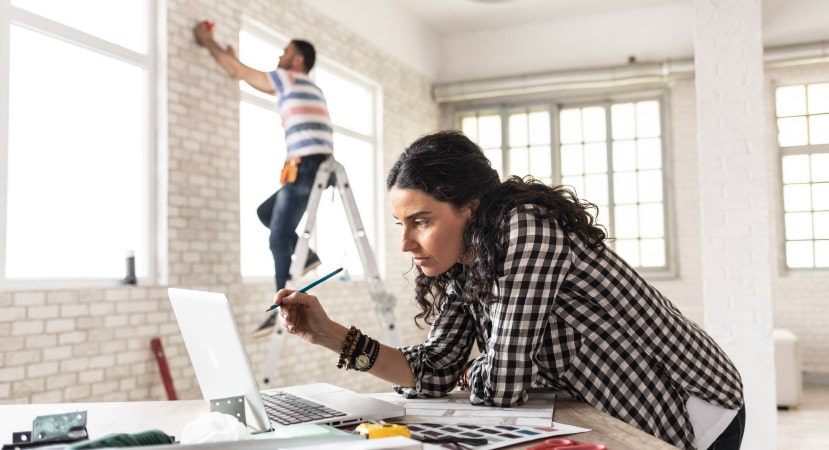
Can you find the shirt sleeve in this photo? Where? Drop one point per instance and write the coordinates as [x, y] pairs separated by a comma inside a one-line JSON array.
[[536, 263], [438, 362]]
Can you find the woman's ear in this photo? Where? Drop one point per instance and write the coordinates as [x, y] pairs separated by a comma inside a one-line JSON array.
[[473, 205]]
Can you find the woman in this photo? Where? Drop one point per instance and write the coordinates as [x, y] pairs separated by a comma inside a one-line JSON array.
[[521, 269]]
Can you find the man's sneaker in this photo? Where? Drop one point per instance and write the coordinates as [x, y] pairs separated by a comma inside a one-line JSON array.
[[312, 262], [266, 328]]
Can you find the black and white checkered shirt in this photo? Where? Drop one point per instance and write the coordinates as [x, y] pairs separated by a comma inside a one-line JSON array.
[[586, 323]]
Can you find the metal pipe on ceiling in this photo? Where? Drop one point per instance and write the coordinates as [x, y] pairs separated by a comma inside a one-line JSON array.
[[608, 77]]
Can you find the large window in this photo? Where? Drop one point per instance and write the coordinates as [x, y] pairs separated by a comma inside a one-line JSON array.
[[77, 96], [803, 136], [610, 153], [353, 103]]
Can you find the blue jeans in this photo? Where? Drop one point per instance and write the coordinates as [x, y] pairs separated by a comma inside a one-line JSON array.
[[282, 212], [732, 437]]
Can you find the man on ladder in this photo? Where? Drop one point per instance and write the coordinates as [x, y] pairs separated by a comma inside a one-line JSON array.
[[309, 141]]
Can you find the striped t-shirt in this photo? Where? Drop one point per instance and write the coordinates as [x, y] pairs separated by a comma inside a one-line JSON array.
[[304, 114]]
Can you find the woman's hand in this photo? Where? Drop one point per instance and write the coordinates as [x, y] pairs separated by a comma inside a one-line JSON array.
[[304, 316]]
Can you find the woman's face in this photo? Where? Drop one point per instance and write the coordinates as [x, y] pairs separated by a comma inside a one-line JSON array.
[[432, 230]]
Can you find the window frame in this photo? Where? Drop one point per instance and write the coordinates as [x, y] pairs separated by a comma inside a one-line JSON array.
[[554, 106], [372, 223], [808, 149], [152, 243]]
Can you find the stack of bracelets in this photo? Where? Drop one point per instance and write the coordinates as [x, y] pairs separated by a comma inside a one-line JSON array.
[[359, 351]]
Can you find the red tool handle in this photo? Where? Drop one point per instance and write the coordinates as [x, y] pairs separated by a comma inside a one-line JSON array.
[[158, 350]]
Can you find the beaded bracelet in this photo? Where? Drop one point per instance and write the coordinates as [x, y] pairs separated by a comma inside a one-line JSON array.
[[348, 346], [361, 343]]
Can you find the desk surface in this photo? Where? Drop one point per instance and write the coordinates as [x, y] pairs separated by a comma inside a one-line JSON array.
[[172, 416]]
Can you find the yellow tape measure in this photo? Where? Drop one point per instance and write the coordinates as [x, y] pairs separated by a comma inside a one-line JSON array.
[[380, 429]]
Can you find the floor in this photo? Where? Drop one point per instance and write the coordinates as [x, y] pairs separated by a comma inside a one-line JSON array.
[[806, 426]]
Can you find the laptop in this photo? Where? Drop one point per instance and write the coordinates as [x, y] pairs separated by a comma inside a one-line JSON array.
[[223, 371]]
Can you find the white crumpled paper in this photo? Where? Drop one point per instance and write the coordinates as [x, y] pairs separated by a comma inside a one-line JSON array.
[[214, 427]]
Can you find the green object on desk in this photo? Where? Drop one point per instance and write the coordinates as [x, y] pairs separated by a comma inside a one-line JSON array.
[[302, 430], [145, 438]]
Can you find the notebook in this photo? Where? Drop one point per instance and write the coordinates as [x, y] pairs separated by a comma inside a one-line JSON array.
[[223, 369]]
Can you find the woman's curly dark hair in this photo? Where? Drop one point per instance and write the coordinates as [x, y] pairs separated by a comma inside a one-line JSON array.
[[451, 168]]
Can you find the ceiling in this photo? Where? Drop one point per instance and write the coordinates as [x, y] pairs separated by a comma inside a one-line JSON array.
[[448, 17], [449, 40]]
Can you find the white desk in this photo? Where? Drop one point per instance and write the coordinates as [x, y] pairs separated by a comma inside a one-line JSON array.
[[172, 416]]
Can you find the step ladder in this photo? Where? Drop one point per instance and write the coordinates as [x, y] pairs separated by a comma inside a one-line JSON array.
[[383, 301]]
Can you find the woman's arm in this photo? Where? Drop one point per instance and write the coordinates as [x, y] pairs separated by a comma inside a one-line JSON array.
[[534, 269], [303, 316]]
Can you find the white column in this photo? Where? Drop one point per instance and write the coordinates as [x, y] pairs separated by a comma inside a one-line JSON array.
[[734, 189]]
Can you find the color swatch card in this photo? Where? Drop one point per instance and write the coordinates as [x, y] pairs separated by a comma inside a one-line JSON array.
[[484, 437]]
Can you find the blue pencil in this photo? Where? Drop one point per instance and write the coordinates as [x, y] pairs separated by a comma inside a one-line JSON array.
[[306, 288]]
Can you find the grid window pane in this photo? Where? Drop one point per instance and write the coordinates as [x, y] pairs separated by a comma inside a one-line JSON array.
[[650, 186], [792, 131], [539, 123], [791, 101], [798, 226], [572, 159], [518, 130], [489, 131], [820, 196], [649, 153], [595, 189], [819, 129], [625, 188], [653, 252], [820, 167], [818, 98], [519, 161], [803, 123], [541, 163], [629, 250], [797, 197], [495, 157], [647, 119], [651, 220], [576, 182], [594, 126], [623, 121], [821, 225], [570, 126], [624, 155], [595, 158], [627, 221], [796, 169], [800, 254], [822, 254], [622, 177]]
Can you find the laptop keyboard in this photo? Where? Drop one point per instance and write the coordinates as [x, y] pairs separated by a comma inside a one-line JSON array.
[[287, 409]]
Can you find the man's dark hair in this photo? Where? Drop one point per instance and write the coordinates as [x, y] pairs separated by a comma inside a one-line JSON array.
[[309, 55]]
